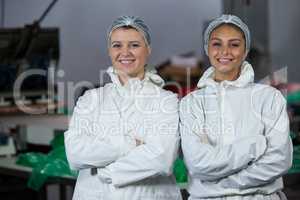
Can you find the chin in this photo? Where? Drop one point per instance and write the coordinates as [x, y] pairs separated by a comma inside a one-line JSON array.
[[224, 68], [125, 69], [128, 67], [129, 71]]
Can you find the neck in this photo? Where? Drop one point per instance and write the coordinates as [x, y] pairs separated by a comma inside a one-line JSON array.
[[125, 78]]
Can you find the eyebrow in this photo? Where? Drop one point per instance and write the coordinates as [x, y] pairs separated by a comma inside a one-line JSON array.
[[117, 41], [231, 40]]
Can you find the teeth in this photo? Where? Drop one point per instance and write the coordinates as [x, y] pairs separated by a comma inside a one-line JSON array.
[[224, 60], [126, 61]]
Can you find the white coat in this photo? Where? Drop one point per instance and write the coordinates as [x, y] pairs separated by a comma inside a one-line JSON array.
[[100, 141], [235, 139]]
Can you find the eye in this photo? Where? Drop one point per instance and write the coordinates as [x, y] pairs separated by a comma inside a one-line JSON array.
[[216, 44], [116, 45], [135, 45], [235, 44]]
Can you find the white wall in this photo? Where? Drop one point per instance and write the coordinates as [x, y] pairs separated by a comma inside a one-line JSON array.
[[284, 33], [176, 27]]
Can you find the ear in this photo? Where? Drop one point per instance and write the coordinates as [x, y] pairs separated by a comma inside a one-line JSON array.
[[149, 50], [245, 55], [108, 52]]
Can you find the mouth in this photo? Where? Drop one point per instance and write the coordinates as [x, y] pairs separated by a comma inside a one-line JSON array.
[[126, 61], [224, 61]]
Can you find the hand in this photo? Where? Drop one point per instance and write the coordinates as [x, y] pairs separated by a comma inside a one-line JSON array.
[[138, 142], [104, 175]]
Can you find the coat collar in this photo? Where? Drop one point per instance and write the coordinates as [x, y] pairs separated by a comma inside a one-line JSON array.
[[246, 77], [134, 84]]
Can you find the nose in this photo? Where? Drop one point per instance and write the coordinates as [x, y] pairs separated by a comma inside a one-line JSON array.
[[225, 50], [125, 51]]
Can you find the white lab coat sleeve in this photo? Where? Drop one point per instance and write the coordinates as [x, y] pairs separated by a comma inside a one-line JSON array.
[[85, 141], [207, 162], [156, 156], [278, 157]]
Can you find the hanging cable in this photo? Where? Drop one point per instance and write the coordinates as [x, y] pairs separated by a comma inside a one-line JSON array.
[[47, 11], [2, 13]]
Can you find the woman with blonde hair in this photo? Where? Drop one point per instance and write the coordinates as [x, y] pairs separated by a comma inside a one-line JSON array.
[[123, 137]]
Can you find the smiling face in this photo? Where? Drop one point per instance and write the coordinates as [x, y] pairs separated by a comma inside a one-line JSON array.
[[226, 51], [129, 53]]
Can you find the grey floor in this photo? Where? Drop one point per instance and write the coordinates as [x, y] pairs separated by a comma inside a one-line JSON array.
[[16, 189]]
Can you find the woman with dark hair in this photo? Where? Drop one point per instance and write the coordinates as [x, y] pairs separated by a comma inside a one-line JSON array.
[[235, 133]]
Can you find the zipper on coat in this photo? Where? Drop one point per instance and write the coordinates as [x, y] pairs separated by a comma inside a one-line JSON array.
[[221, 108]]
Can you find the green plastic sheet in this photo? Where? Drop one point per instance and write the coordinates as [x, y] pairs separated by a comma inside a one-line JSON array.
[[180, 171], [53, 164], [296, 160], [293, 97]]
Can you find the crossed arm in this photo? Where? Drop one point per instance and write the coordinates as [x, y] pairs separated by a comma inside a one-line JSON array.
[[247, 162], [122, 163]]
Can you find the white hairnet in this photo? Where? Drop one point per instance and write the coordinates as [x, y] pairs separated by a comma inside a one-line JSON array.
[[131, 21], [227, 19]]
